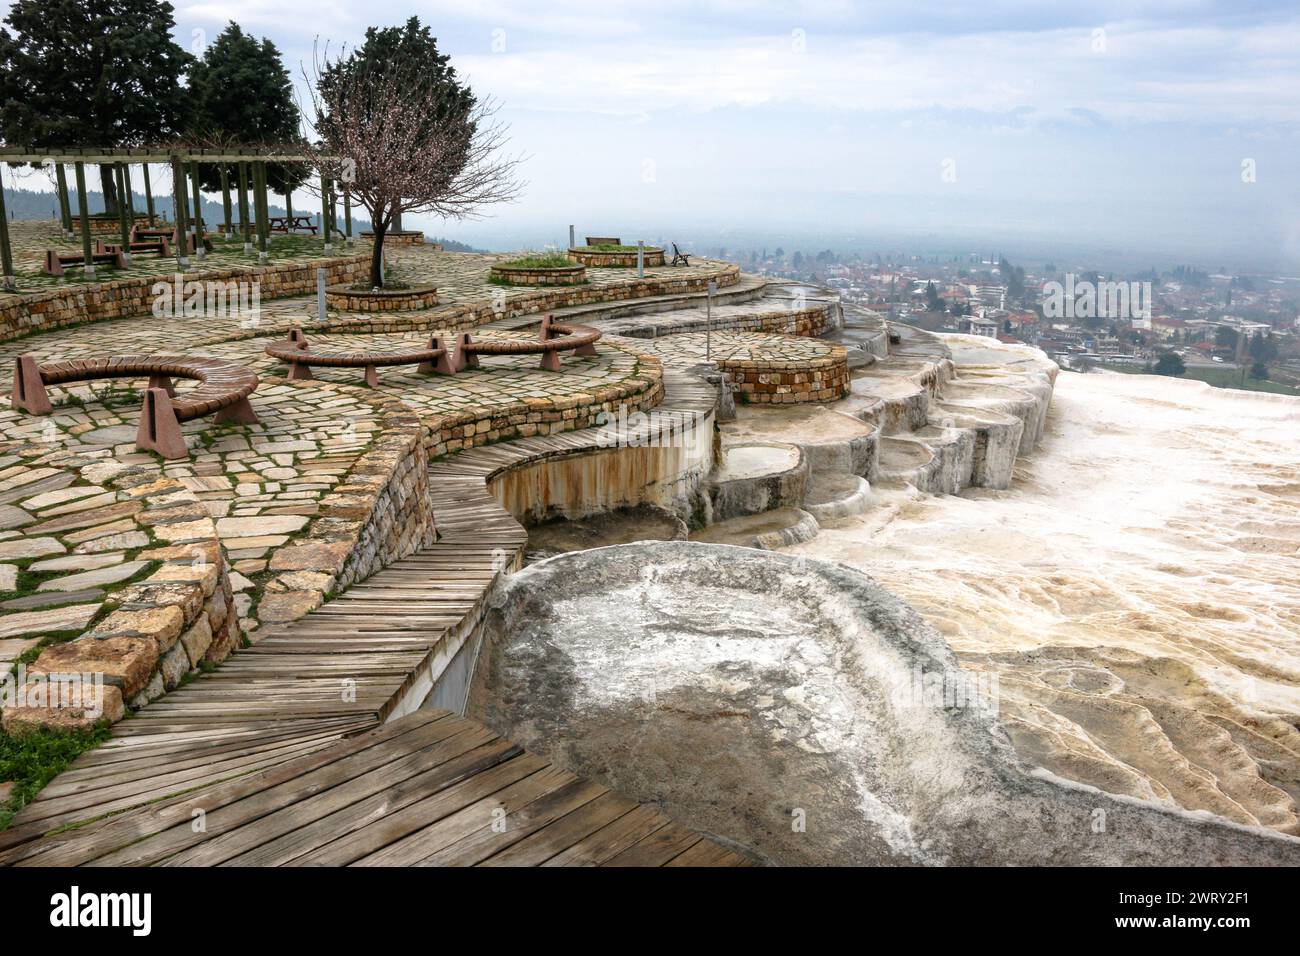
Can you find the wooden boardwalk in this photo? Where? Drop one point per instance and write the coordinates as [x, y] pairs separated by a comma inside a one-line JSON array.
[[279, 708], [428, 789]]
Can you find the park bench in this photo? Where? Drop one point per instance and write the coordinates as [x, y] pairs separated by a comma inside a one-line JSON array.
[[553, 338], [160, 246], [604, 241], [679, 257], [150, 235], [297, 354], [56, 260], [223, 390]]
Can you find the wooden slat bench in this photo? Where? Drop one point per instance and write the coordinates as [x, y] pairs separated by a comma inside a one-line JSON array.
[[553, 338], [604, 241], [297, 353], [56, 260], [159, 247], [223, 391]]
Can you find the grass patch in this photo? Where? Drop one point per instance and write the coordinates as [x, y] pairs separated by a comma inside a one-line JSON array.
[[538, 260], [33, 759], [611, 247]]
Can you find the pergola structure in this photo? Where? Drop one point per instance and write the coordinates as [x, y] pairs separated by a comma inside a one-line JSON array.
[[188, 215]]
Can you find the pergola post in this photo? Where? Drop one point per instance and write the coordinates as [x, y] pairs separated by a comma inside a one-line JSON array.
[[6, 251], [65, 207], [130, 201], [325, 209], [89, 268], [245, 222], [225, 198], [124, 229], [148, 196], [198, 211], [263, 214], [181, 232]]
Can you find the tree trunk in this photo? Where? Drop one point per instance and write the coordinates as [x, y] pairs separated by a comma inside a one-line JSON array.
[[377, 256], [397, 220], [108, 185]]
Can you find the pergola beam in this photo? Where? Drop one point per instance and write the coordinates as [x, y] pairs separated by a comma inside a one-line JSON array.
[[27, 154]]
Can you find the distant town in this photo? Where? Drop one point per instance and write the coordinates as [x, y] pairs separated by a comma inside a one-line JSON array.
[[1231, 330]]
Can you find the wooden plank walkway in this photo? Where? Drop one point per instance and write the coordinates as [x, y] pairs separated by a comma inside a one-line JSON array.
[[428, 789], [280, 703]]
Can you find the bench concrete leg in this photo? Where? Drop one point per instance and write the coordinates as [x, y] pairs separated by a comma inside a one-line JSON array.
[[551, 360], [589, 349], [29, 389], [240, 413], [159, 429], [164, 382], [445, 363], [298, 336], [372, 378], [464, 357], [299, 372]]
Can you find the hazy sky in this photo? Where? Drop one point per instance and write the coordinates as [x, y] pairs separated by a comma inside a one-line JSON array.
[[1120, 126]]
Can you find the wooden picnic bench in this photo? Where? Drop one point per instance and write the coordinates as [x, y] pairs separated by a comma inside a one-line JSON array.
[[160, 246], [224, 389], [553, 338], [290, 223], [296, 352], [55, 261]]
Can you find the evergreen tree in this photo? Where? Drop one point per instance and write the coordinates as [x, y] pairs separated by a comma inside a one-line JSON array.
[[243, 95], [91, 73], [1169, 364]]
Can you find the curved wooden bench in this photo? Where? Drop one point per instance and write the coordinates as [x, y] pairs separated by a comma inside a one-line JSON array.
[[296, 352], [224, 389], [553, 338]]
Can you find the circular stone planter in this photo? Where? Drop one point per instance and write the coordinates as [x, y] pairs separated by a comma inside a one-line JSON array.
[[348, 299], [654, 256], [558, 275]]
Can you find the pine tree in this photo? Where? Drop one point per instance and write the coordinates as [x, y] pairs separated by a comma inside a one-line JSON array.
[[243, 95], [91, 73]]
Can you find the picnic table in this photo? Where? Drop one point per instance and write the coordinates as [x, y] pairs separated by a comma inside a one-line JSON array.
[[290, 223]]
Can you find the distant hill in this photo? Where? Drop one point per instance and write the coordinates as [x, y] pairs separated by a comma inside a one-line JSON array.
[[32, 204]]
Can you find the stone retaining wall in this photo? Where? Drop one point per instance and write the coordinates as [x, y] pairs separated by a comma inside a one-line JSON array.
[[146, 636], [104, 226], [546, 416], [95, 301], [378, 514]]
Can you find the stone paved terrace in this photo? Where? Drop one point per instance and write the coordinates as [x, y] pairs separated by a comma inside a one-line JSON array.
[[298, 510]]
